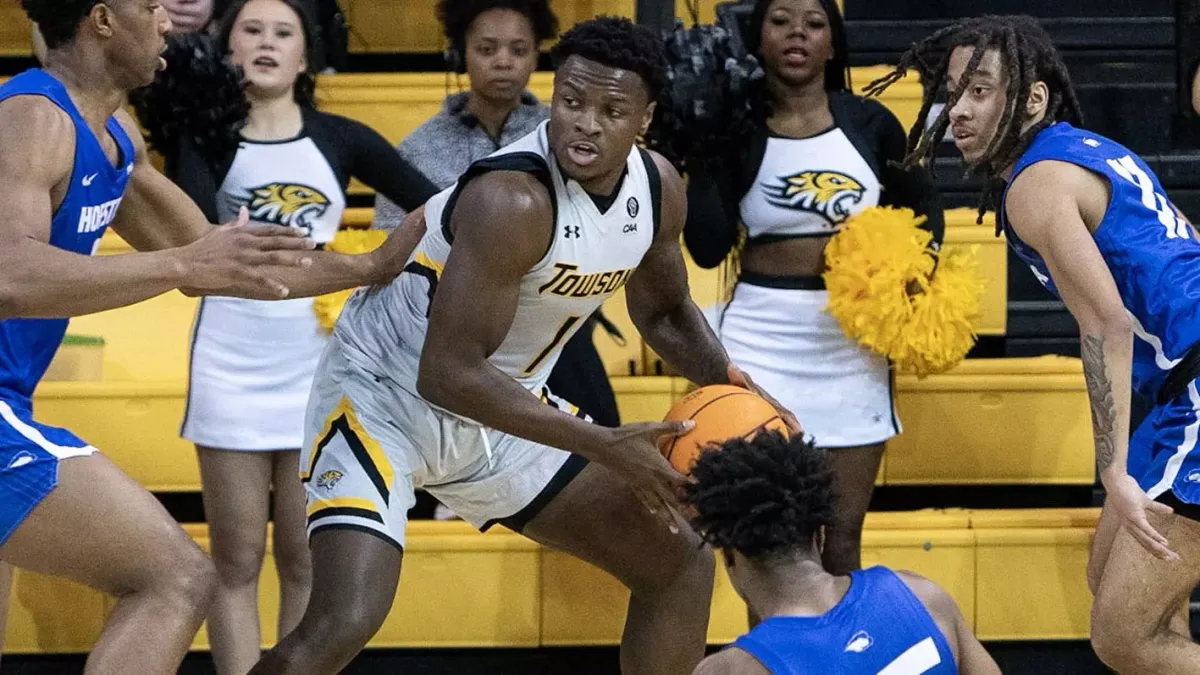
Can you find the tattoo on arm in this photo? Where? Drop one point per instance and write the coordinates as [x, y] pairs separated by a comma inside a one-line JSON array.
[[1099, 386]]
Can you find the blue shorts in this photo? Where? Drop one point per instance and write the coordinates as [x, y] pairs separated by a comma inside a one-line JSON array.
[[1163, 453], [29, 456]]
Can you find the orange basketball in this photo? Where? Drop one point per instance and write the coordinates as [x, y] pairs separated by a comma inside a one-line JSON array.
[[721, 412]]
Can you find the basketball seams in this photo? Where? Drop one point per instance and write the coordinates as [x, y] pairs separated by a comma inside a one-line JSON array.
[[692, 416]]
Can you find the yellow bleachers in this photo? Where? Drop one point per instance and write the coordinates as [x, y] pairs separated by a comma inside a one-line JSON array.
[[1016, 420], [1016, 575], [395, 103], [1032, 573]]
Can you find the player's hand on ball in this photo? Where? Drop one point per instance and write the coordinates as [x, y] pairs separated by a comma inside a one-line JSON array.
[[634, 455], [232, 259], [739, 378], [1131, 503]]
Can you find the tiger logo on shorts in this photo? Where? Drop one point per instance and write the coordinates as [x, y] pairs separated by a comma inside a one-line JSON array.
[[329, 479], [287, 204], [828, 193]]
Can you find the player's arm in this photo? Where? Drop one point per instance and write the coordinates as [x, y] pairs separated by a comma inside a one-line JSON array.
[[661, 305], [1046, 206], [972, 658], [502, 223], [40, 280], [731, 661], [156, 215]]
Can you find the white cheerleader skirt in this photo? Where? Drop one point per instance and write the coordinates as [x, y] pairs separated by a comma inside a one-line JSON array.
[[252, 366], [776, 330]]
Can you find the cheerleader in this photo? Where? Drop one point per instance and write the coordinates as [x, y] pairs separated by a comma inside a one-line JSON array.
[[266, 147], [800, 154]]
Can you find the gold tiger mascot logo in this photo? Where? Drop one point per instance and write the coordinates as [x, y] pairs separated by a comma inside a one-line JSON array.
[[828, 193], [287, 204]]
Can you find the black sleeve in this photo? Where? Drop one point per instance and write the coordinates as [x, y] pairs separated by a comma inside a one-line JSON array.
[[188, 169], [711, 229], [913, 188], [359, 151]]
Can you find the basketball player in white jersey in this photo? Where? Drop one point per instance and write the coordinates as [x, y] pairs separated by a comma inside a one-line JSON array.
[[447, 392]]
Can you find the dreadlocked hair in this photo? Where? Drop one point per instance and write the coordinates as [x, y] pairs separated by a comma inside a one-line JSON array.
[[763, 497], [1028, 55]]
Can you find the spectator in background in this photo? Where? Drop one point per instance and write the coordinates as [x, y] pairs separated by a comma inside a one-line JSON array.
[[816, 154], [192, 16], [268, 149], [495, 42]]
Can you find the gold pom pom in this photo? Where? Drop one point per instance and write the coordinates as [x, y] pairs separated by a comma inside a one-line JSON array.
[[880, 291], [328, 307]]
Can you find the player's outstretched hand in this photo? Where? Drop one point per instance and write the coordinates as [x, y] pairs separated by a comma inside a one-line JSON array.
[[392, 255], [1130, 502], [634, 455], [739, 378], [232, 258]]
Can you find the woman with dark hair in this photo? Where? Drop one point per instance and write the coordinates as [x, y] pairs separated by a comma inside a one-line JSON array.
[[811, 154], [245, 132]]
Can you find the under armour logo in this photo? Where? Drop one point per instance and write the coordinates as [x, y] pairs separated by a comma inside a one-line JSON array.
[[571, 231]]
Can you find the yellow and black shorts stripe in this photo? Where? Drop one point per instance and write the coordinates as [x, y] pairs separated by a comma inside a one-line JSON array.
[[367, 451]]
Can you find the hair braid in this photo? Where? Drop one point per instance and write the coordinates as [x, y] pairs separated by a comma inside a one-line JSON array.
[[1028, 56]]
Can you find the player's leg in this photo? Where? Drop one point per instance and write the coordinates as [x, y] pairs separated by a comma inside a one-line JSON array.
[[1139, 600], [6, 576], [355, 573], [236, 489], [358, 492], [290, 540], [597, 518], [99, 528], [854, 473]]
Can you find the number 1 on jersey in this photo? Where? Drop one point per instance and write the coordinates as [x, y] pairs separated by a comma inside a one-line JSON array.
[[565, 328]]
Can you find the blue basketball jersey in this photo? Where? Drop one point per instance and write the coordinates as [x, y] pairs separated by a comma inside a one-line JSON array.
[[89, 205], [1152, 254], [879, 626]]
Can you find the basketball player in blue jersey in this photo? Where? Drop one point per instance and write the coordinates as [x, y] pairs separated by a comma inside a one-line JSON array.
[[1093, 223], [765, 504], [72, 164]]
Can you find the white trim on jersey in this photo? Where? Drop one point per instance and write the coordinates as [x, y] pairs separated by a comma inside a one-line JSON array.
[[1171, 471], [59, 451], [915, 660], [1160, 356]]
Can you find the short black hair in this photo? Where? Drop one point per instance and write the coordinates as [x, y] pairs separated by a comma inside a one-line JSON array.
[[1027, 54], [458, 15], [765, 497], [616, 42], [57, 20]]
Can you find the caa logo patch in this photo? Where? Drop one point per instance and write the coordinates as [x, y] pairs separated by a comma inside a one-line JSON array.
[[21, 459], [632, 207], [860, 642], [329, 479]]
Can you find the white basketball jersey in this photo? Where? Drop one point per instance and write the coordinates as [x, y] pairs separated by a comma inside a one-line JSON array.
[[591, 255], [806, 187]]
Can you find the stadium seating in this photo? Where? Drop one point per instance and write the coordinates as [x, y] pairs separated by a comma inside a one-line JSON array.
[[461, 588]]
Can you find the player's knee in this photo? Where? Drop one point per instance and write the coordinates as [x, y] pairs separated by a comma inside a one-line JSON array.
[[188, 578], [692, 571], [1119, 647], [344, 629], [239, 563]]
